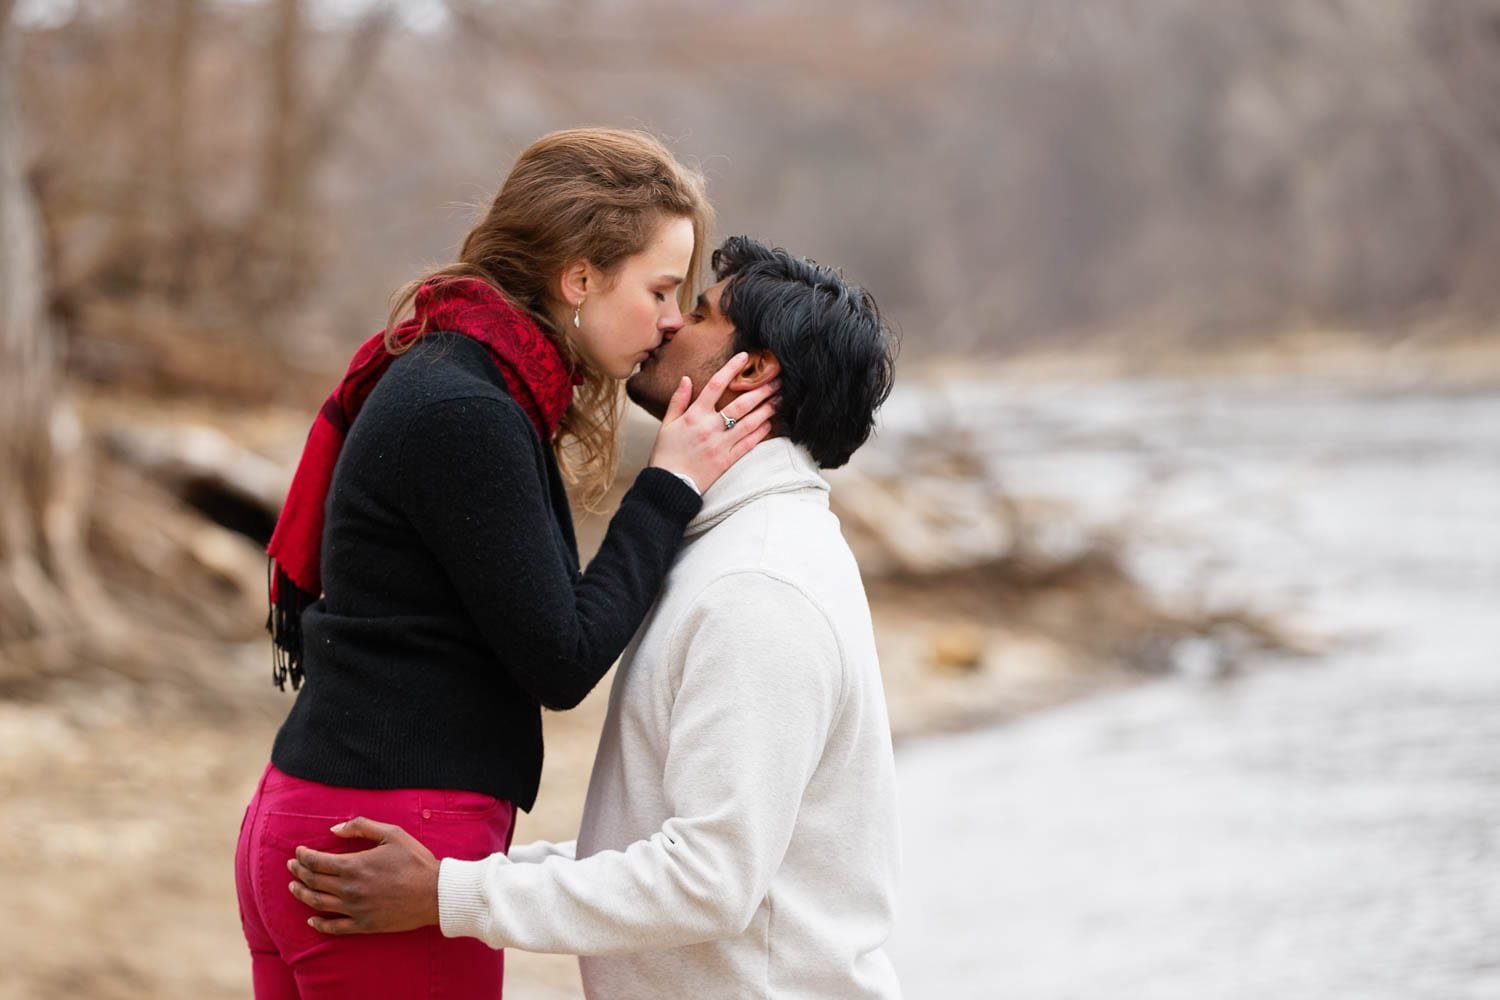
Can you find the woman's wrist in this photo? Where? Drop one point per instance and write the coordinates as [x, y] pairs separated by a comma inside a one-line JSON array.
[[687, 479]]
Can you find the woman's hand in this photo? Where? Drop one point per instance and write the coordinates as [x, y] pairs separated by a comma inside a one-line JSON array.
[[695, 438]]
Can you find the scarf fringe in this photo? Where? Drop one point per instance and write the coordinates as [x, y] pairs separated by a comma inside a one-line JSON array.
[[284, 622]]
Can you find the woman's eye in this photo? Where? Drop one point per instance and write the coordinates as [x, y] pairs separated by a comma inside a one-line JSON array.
[[660, 296]]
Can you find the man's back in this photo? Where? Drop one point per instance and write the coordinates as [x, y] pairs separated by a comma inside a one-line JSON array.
[[748, 745]]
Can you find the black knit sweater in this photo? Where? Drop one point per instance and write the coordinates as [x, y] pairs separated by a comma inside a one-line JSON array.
[[453, 608]]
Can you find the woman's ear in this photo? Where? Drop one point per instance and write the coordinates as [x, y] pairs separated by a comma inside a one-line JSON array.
[[573, 285], [762, 367]]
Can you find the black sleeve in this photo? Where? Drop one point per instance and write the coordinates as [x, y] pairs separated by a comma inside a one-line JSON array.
[[476, 494]]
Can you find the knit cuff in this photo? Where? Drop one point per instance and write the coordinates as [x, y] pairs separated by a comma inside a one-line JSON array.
[[463, 909], [668, 494], [689, 480]]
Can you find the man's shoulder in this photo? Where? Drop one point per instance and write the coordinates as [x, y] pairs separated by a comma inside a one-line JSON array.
[[797, 538], [771, 579]]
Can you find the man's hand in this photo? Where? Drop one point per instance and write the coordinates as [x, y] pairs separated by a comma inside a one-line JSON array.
[[393, 886]]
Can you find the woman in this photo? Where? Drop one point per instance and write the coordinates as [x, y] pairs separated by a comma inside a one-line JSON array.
[[436, 528]]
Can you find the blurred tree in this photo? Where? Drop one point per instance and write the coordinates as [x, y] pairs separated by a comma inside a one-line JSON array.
[[994, 168], [300, 128], [45, 588], [183, 210]]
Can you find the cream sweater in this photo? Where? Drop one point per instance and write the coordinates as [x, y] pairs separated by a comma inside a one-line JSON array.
[[739, 838]]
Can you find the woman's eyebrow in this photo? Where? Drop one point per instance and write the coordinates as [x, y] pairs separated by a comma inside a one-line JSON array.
[[671, 279]]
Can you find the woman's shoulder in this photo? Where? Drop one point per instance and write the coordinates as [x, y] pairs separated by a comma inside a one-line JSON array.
[[444, 380], [446, 366]]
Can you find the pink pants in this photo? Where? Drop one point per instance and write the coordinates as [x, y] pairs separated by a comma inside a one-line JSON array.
[[291, 960]]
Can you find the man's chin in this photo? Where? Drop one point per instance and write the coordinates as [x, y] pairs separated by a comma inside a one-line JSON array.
[[639, 390]]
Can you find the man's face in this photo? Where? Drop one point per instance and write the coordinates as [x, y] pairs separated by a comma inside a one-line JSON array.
[[698, 350]]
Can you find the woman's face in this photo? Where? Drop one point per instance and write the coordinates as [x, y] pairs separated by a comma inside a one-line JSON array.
[[626, 314]]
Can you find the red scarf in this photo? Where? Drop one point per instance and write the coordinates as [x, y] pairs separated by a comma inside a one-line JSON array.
[[535, 375]]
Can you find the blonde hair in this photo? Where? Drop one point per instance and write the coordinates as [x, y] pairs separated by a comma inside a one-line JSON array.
[[594, 194]]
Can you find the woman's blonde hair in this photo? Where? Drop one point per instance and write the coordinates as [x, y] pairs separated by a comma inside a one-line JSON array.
[[594, 194]]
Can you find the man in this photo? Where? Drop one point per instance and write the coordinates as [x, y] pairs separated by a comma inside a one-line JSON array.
[[739, 836]]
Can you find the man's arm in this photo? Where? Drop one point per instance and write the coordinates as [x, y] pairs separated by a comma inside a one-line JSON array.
[[538, 851], [392, 886], [762, 678]]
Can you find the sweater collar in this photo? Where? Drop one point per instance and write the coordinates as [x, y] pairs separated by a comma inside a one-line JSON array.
[[773, 466]]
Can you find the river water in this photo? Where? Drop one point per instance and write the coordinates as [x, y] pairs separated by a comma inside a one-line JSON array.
[[1320, 827]]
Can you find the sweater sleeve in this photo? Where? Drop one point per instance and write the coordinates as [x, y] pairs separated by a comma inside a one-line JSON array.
[[538, 851], [477, 494], [762, 681]]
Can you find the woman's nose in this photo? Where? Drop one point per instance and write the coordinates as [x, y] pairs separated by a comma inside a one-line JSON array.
[[670, 320]]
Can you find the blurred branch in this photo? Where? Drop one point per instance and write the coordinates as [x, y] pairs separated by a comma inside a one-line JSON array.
[[1464, 122], [885, 47], [326, 124], [176, 191], [280, 173], [297, 138]]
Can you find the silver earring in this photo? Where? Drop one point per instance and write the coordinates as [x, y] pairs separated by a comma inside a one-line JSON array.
[[577, 311]]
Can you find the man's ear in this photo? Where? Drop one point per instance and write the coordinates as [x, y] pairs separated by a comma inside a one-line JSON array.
[[762, 367], [573, 285]]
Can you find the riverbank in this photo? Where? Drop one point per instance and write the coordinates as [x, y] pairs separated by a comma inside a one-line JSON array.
[[1322, 829]]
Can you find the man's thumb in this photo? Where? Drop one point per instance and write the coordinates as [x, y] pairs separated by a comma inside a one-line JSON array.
[[361, 828]]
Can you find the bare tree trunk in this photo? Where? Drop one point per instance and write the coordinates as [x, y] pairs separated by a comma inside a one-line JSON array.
[[179, 218], [45, 586], [299, 131], [322, 127], [29, 602], [279, 222]]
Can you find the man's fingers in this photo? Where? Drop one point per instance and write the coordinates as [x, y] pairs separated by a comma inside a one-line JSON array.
[[306, 875], [366, 829], [322, 862], [709, 397], [320, 901], [335, 925], [317, 881]]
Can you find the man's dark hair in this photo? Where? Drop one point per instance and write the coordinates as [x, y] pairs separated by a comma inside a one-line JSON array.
[[837, 355]]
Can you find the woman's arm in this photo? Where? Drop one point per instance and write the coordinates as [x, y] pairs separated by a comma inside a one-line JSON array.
[[476, 491]]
